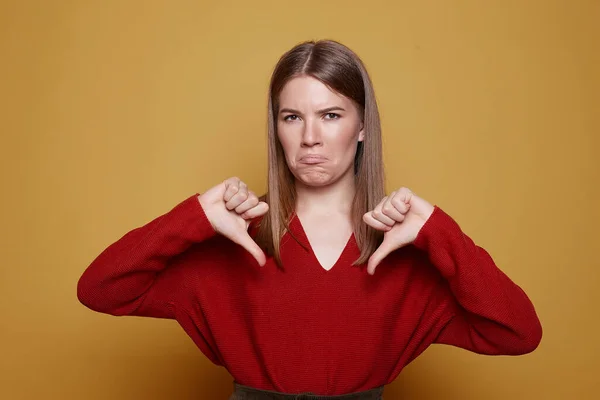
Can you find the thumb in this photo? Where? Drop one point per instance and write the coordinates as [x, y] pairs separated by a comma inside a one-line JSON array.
[[385, 248], [244, 240]]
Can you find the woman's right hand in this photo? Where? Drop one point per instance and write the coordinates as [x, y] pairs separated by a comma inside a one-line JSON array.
[[230, 207]]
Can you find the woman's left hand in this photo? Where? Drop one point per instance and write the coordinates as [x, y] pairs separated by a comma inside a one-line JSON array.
[[401, 215]]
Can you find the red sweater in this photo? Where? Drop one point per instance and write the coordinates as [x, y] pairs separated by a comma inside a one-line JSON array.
[[306, 329]]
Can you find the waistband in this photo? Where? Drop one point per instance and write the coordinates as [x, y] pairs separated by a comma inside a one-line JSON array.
[[241, 392]]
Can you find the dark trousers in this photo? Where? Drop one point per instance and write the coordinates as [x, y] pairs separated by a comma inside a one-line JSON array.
[[241, 392]]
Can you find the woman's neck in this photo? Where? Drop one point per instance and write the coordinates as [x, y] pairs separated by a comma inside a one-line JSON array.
[[336, 198]]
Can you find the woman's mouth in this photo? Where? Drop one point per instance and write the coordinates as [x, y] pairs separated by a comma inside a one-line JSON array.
[[312, 159]]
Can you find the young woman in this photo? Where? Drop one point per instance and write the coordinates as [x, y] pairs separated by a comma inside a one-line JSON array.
[[325, 286]]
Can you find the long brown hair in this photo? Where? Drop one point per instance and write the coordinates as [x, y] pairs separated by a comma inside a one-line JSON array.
[[340, 69]]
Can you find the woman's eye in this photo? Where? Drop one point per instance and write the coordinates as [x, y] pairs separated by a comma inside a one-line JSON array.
[[332, 116], [290, 117]]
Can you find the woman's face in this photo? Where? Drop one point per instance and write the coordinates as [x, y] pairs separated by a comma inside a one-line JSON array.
[[319, 131]]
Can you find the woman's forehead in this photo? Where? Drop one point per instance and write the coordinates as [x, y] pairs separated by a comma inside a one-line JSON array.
[[308, 92]]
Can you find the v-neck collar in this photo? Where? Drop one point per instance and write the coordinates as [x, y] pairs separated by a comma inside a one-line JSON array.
[[348, 255]]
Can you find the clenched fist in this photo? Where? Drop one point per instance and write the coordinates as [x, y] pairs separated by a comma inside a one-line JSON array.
[[230, 207]]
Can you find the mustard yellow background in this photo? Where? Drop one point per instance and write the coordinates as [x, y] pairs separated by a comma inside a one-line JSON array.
[[112, 112]]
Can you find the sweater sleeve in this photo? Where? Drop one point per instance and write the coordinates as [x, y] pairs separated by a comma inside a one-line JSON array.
[[488, 312], [135, 275]]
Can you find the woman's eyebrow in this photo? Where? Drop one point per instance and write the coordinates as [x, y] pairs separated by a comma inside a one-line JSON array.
[[323, 111]]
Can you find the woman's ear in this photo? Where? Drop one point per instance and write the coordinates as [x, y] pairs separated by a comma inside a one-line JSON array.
[[361, 134]]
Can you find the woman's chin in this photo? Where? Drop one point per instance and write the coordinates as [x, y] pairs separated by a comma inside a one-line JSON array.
[[315, 178]]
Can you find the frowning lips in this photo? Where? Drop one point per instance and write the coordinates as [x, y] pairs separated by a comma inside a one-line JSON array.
[[312, 159]]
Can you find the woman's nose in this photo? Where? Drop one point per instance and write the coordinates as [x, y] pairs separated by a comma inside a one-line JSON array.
[[311, 136]]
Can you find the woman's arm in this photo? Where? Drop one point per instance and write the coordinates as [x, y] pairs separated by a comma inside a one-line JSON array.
[[135, 276], [490, 314]]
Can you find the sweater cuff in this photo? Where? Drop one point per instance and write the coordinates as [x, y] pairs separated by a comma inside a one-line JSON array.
[[193, 222], [440, 236]]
